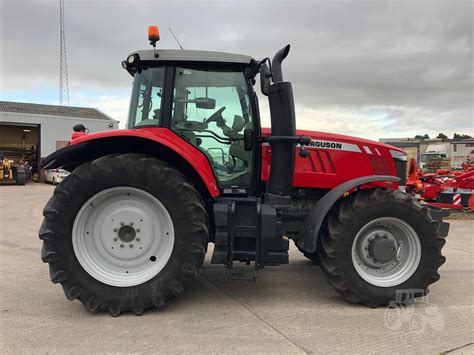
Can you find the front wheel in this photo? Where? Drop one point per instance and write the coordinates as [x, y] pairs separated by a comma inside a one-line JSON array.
[[123, 233], [378, 241]]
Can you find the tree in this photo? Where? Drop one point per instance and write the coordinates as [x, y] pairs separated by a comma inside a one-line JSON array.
[[442, 136], [420, 136], [461, 136]]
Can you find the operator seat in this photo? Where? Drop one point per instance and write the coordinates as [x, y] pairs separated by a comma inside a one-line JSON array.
[[237, 148]]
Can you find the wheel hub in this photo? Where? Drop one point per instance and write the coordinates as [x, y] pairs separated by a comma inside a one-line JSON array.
[[386, 252], [127, 234], [382, 249], [123, 236]]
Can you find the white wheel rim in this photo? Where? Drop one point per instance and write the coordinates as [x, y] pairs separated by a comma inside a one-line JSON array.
[[123, 236], [392, 272]]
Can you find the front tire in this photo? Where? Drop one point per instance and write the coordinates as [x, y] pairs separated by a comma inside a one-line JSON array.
[[110, 244], [402, 247]]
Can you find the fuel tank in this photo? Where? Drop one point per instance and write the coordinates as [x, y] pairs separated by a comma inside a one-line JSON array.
[[334, 158]]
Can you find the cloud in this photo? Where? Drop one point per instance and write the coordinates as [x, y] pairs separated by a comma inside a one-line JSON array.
[[113, 105], [371, 68]]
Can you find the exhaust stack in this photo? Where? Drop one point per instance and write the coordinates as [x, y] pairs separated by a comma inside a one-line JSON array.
[[283, 139]]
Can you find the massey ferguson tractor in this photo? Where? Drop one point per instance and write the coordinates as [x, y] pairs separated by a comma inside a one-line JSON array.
[[132, 222]]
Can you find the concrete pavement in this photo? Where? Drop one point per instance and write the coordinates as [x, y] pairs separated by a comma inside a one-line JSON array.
[[289, 309]]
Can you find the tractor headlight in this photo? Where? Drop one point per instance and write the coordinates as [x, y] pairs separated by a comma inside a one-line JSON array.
[[131, 63], [398, 155]]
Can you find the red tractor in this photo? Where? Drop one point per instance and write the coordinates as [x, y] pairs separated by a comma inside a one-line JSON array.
[[132, 222]]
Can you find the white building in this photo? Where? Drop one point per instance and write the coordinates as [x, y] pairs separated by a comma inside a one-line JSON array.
[[30, 132], [459, 151]]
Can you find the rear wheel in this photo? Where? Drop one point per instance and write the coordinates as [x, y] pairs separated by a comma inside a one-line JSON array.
[[378, 241], [123, 233]]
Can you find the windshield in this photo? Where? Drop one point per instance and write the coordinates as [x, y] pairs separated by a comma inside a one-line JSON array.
[[146, 101]]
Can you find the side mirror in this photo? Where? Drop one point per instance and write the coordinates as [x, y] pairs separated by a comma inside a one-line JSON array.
[[205, 103], [249, 139], [265, 76]]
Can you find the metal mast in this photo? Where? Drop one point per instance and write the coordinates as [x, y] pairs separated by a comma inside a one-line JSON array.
[[63, 80]]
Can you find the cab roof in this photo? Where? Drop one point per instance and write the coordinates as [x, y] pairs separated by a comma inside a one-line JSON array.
[[192, 56]]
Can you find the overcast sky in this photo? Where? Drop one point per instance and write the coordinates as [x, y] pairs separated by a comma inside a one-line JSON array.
[[367, 68]]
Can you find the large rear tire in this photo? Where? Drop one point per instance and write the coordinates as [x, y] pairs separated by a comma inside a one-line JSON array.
[[377, 241], [124, 233]]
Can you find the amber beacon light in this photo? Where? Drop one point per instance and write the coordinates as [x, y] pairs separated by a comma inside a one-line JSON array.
[[153, 35]]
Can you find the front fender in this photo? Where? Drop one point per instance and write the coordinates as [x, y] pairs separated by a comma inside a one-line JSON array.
[[316, 216], [161, 143]]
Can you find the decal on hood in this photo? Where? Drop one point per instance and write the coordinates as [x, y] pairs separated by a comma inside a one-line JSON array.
[[334, 145]]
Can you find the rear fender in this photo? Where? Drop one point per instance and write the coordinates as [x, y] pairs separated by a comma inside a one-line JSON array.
[[316, 216], [166, 146]]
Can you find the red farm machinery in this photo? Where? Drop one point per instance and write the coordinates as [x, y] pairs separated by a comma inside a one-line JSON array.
[[132, 222], [445, 188]]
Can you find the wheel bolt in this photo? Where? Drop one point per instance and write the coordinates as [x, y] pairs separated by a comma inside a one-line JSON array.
[[138, 239], [115, 230], [115, 239], [138, 230], [121, 245], [121, 223], [131, 223], [130, 245]]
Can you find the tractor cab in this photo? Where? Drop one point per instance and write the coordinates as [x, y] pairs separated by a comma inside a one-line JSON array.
[[204, 97], [207, 98]]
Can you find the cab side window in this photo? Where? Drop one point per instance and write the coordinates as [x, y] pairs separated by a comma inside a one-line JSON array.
[[211, 110]]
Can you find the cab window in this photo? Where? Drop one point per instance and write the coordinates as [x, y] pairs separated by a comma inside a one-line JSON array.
[[146, 101], [211, 110]]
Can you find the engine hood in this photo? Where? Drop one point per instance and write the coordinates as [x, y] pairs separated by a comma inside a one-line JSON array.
[[322, 137]]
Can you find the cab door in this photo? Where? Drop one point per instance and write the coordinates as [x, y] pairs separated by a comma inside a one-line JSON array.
[[211, 110]]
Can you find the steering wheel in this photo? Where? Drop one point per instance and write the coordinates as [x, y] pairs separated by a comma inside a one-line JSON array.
[[215, 115]]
